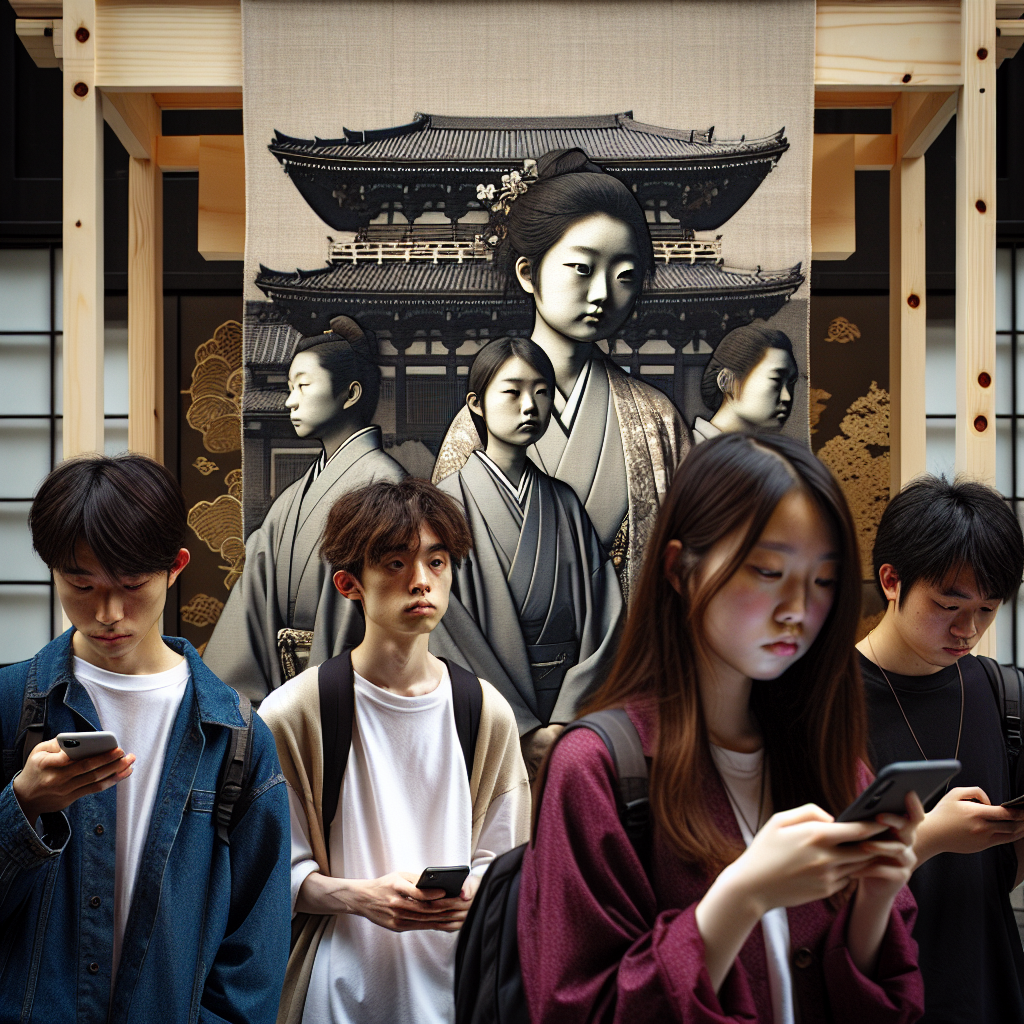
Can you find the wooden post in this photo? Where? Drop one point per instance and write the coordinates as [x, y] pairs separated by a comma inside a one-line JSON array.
[[83, 234], [146, 296], [976, 254], [976, 245], [907, 305]]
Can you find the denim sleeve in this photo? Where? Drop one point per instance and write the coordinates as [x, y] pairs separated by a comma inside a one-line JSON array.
[[22, 851], [244, 984]]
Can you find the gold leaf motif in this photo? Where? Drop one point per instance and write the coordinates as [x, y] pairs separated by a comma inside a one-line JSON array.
[[233, 481], [859, 458], [205, 466], [818, 397], [842, 330], [218, 524], [233, 552], [216, 409], [202, 610]]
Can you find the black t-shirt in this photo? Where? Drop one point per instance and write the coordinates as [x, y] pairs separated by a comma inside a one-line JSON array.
[[970, 949]]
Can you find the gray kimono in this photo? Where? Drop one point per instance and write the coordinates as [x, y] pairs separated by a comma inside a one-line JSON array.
[[535, 607], [284, 582]]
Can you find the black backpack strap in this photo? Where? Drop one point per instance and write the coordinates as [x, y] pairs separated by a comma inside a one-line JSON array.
[[30, 731], [337, 712], [1005, 681], [235, 771], [467, 701], [623, 742]]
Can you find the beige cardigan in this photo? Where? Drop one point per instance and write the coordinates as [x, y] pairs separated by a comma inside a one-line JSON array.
[[294, 720]]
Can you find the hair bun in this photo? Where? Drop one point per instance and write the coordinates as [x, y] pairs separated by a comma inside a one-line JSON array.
[[364, 343], [565, 161]]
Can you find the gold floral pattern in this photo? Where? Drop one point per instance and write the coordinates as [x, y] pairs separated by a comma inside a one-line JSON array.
[[202, 610], [842, 330], [205, 466]]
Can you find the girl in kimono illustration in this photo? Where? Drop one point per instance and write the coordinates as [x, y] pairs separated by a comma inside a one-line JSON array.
[[535, 608], [749, 383], [285, 601], [577, 241]]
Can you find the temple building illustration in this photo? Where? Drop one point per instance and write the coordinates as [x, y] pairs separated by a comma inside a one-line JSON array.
[[407, 261]]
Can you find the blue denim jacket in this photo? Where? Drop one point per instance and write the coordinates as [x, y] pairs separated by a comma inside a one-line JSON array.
[[208, 930]]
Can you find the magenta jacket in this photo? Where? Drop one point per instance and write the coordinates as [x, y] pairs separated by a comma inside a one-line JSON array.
[[598, 941]]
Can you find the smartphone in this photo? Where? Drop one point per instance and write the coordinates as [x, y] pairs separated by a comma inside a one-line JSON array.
[[1017, 801], [888, 793], [78, 745], [448, 878]]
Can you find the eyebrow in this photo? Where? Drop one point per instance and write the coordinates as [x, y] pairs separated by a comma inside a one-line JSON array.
[[597, 252], [439, 546], [788, 549], [953, 592]]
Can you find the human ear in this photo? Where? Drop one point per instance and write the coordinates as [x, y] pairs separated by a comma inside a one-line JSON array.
[[347, 585], [355, 392], [524, 275], [475, 405], [726, 381], [890, 581], [180, 561], [670, 564]]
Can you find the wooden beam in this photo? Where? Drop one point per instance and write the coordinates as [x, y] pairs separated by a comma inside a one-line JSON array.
[[135, 120], [83, 237], [1009, 36], [199, 100], [221, 234], [38, 8], [976, 246], [36, 35], [874, 152], [926, 114], [907, 321], [178, 152], [169, 47], [832, 98], [833, 206], [888, 45]]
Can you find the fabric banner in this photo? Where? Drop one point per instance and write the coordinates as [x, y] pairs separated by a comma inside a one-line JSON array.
[[387, 145]]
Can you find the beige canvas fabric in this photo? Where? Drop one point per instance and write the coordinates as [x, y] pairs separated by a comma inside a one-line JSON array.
[[295, 722]]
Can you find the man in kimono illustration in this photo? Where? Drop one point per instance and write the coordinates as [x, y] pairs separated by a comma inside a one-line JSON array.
[[285, 600], [536, 606]]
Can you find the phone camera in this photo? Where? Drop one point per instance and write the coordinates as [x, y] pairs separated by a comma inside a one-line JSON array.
[[72, 743]]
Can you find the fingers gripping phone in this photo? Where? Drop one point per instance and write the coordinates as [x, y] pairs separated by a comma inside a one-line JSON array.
[[448, 878], [888, 793], [79, 745]]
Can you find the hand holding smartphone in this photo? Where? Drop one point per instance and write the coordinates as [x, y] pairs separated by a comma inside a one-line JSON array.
[[80, 745]]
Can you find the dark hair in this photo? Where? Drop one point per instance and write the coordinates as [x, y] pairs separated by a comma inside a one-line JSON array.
[[812, 716], [740, 351], [128, 510], [365, 524], [348, 353], [492, 357], [934, 527], [569, 187]]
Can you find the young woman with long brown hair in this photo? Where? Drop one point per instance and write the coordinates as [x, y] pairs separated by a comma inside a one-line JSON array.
[[738, 669]]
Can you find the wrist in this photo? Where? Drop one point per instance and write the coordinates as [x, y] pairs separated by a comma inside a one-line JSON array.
[[926, 840], [733, 888]]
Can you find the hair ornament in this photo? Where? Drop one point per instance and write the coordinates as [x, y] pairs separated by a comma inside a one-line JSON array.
[[513, 185]]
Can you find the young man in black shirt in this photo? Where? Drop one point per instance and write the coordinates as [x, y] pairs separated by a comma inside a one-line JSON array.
[[945, 557]]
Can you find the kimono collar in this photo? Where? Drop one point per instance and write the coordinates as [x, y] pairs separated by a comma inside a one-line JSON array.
[[519, 493], [565, 409], [323, 462]]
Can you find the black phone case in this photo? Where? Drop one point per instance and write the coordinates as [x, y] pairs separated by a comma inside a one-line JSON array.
[[449, 878], [888, 793]]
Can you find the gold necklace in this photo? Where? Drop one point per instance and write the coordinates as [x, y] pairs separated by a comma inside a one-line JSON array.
[[959, 731]]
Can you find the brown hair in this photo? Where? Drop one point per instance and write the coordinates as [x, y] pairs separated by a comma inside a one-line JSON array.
[[812, 717], [365, 525], [128, 510]]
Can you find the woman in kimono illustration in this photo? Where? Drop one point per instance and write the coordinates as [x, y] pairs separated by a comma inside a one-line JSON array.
[[577, 241], [536, 607], [749, 383], [285, 601]]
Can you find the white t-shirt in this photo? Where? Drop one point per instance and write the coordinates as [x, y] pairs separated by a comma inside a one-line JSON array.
[[140, 712], [741, 774], [405, 805]]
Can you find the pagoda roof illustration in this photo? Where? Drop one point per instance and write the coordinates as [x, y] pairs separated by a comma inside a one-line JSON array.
[[687, 300], [435, 162]]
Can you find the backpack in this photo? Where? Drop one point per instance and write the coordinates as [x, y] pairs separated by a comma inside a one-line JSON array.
[[1008, 690], [488, 977], [231, 783], [337, 712]]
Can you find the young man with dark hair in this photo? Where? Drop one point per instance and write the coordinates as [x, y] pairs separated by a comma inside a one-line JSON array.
[[133, 885], [945, 557], [415, 783]]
